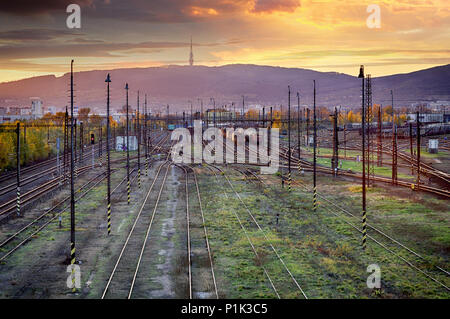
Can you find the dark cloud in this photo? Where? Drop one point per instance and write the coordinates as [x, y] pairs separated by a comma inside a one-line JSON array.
[[269, 6], [166, 11], [35, 34], [86, 49], [135, 10], [37, 7]]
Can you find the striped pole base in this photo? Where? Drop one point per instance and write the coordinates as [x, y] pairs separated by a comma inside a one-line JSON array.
[[109, 218], [128, 191], [72, 262], [315, 199]]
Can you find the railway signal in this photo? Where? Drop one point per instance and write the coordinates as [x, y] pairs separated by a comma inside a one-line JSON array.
[[108, 167], [363, 129], [92, 139]]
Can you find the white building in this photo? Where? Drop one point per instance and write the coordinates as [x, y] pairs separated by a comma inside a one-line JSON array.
[[36, 108], [426, 117], [51, 110], [25, 111]]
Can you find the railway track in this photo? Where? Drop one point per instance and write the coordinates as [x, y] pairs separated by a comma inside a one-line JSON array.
[[244, 229], [289, 279], [198, 248], [29, 197], [307, 166], [39, 223], [122, 280], [38, 167], [421, 264], [8, 207], [42, 221]]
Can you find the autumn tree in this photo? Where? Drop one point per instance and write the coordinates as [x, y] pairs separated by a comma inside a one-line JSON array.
[[83, 114]]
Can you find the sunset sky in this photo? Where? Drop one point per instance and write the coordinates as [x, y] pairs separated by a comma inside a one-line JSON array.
[[321, 35]]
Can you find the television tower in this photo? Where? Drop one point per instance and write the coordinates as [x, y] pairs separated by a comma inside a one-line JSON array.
[[191, 56]]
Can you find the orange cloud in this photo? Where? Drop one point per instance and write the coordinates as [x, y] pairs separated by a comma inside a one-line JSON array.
[[202, 12]]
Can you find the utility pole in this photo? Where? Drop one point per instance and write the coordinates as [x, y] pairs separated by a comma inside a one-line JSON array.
[[72, 189], [58, 162], [363, 133], [335, 158], [380, 140], [138, 141], [308, 115], [167, 119], [411, 147], [270, 132], [108, 132], [368, 122], [145, 137], [418, 149], [289, 138], [192, 123], [128, 151], [25, 142], [75, 142], [66, 142], [315, 154], [234, 114], [214, 110], [201, 110], [18, 168], [81, 143], [298, 127], [100, 148], [394, 143], [243, 108]]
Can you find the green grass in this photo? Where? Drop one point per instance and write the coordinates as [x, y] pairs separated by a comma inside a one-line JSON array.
[[441, 154], [357, 167], [320, 249]]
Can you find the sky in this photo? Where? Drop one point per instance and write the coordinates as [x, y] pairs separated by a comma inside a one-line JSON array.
[[321, 35]]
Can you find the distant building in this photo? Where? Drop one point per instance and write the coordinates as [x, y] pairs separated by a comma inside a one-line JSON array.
[[51, 110], [219, 115], [14, 110], [25, 111], [36, 108], [426, 117], [3, 111], [439, 105]]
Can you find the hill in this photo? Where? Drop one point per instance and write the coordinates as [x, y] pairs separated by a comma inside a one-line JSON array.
[[175, 85]]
